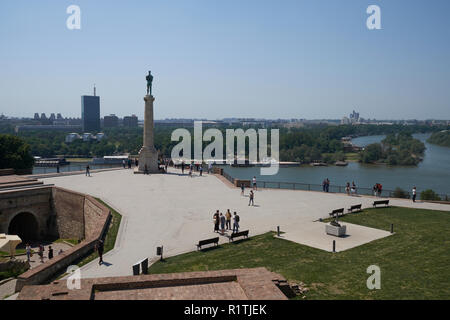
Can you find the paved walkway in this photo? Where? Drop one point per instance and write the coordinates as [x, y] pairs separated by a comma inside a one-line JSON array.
[[176, 211]]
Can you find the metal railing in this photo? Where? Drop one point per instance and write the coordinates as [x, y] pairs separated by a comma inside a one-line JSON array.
[[72, 168], [333, 189]]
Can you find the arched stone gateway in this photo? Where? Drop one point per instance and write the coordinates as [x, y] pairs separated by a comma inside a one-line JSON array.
[[25, 225]]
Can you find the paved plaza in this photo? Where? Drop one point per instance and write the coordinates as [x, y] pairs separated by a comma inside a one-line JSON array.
[[176, 211]]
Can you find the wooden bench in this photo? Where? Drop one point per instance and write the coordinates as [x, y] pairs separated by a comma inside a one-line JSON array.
[[337, 212], [378, 202], [207, 241], [239, 234], [356, 207]]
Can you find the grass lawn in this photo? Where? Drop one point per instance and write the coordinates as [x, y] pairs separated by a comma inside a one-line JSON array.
[[414, 262]]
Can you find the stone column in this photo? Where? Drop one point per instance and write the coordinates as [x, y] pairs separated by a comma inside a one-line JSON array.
[[148, 154]]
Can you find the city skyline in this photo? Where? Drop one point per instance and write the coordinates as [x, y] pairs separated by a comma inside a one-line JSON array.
[[218, 60]]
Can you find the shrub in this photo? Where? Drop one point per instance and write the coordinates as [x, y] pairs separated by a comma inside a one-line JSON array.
[[400, 193], [429, 195]]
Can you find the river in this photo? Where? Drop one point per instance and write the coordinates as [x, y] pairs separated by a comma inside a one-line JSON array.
[[432, 173]]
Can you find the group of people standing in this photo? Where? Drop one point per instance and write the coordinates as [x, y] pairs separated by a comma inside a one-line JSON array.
[[222, 222], [41, 250], [377, 189], [350, 190], [194, 167]]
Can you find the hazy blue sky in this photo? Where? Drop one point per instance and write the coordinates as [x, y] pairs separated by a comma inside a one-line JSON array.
[[228, 58]]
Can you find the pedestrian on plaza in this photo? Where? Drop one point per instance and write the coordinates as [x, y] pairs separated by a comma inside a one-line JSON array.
[[375, 189], [209, 168], [255, 187], [99, 247], [252, 196], [88, 171], [222, 223], [50, 252], [228, 219], [353, 187], [123, 163], [236, 220], [182, 167], [324, 185], [347, 188], [380, 189], [242, 189], [41, 252], [327, 186], [190, 170], [201, 170], [414, 194], [216, 221], [28, 251]]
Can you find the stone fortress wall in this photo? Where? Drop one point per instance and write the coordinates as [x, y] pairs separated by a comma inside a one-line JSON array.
[[55, 213]]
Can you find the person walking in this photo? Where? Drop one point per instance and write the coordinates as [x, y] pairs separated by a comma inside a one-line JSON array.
[[347, 188], [209, 168], [414, 194], [50, 252], [255, 187], [41, 252], [327, 185], [216, 221], [123, 163], [88, 171], [201, 170], [236, 220], [380, 189], [100, 248], [190, 170], [228, 219], [252, 196], [28, 251], [242, 189], [222, 223], [182, 167]]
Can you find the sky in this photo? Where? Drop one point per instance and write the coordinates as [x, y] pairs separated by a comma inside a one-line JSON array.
[[213, 59]]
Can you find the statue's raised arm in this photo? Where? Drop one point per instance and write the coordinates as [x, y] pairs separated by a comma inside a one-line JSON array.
[[149, 79]]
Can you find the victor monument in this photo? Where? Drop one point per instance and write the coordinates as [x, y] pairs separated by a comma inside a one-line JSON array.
[[148, 156]]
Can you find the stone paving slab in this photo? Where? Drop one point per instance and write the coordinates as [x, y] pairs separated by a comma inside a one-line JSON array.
[[314, 235], [176, 211]]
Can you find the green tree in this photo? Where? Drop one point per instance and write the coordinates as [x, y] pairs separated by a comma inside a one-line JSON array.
[[14, 153]]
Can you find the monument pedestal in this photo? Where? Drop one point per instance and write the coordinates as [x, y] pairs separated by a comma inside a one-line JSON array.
[[148, 155]]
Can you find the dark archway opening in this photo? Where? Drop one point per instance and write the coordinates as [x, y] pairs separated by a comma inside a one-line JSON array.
[[25, 226]]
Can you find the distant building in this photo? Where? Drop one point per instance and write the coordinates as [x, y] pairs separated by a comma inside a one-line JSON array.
[[43, 116], [111, 121], [100, 136], [47, 127], [52, 117], [59, 116], [90, 113], [87, 136], [130, 121], [71, 137], [36, 116]]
